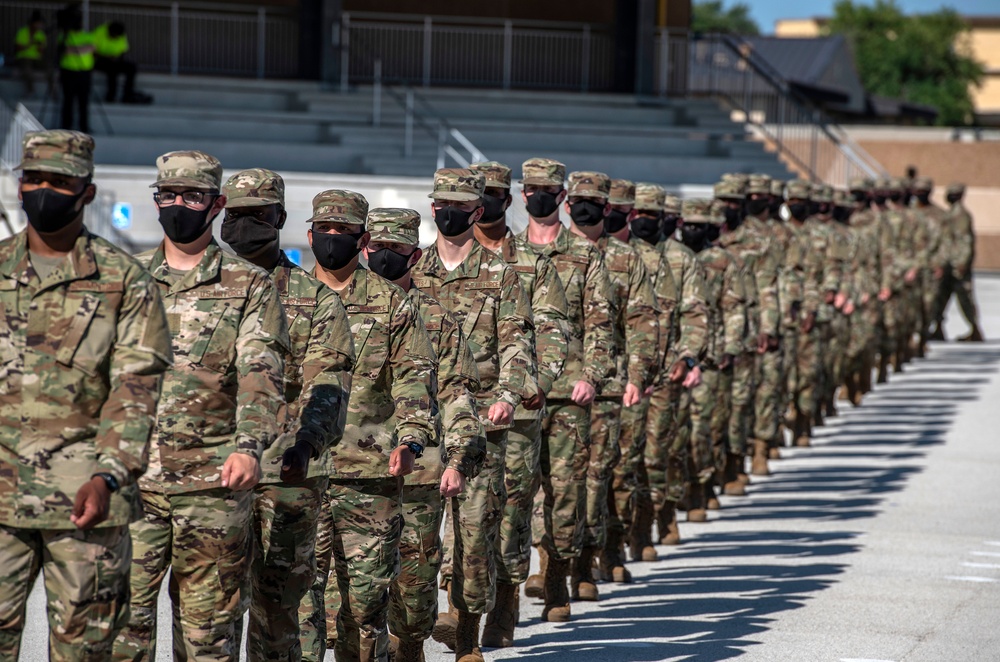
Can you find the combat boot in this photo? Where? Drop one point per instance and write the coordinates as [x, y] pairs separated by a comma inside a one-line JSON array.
[[831, 408], [696, 503], [499, 629], [556, 593], [733, 486], [406, 650], [641, 538], [865, 383], [670, 532], [802, 430], [535, 586], [758, 466], [582, 576], [976, 335], [711, 498], [612, 560], [447, 624], [467, 638], [938, 333], [883, 369], [773, 451]]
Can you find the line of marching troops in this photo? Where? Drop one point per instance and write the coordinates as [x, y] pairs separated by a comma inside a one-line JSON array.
[[291, 444]]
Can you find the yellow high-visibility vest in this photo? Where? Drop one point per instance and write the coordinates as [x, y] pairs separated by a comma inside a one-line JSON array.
[[107, 46], [79, 51], [30, 44]]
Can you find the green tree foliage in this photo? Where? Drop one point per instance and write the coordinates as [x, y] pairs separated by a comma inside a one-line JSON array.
[[920, 58], [711, 16]]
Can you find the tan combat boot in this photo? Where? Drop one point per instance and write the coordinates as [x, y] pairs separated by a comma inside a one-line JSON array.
[[535, 586], [499, 629], [582, 576], [758, 466], [802, 430], [406, 650], [976, 335], [467, 638], [711, 498], [883, 369], [773, 451], [612, 561], [641, 541], [733, 486], [556, 593], [865, 379], [447, 623], [696, 503], [670, 533]]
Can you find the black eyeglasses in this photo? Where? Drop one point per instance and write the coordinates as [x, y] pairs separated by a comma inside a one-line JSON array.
[[190, 198]]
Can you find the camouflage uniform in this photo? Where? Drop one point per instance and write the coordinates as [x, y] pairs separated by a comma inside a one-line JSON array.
[[961, 254], [82, 355], [413, 594], [900, 309], [223, 396], [867, 278], [393, 390], [316, 387], [938, 256]]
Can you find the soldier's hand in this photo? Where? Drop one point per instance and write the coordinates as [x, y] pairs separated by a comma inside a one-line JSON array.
[[829, 297], [840, 300], [693, 378], [761, 343], [295, 463], [535, 402], [938, 273], [500, 413], [632, 395], [240, 472], [773, 343], [452, 483], [583, 393], [401, 462], [93, 501], [865, 298], [884, 294], [808, 323], [648, 392], [959, 273], [911, 275], [678, 371], [727, 362], [849, 308]]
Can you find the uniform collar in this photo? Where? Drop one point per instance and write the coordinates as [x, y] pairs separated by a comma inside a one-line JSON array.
[[206, 271], [469, 268], [80, 262]]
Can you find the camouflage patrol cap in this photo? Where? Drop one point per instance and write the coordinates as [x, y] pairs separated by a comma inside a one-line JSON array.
[[190, 169], [401, 226], [860, 184], [882, 184], [842, 198], [458, 184], [955, 188], [741, 177], [543, 172], [923, 184], [622, 192], [341, 206], [699, 210], [649, 197], [758, 183], [798, 189], [729, 189], [588, 185], [895, 184], [672, 204], [496, 173], [61, 152], [256, 187], [778, 187], [822, 193]]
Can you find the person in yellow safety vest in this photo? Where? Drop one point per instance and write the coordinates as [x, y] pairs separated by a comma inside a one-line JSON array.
[[30, 42], [110, 48], [76, 66]]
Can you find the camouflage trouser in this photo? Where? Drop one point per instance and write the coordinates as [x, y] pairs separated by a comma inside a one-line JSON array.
[[561, 504], [284, 566], [666, 455], [203, 538], [789, 371], [625, 476], [741, 400], [838, 330], [362, 524], [893, 321], [809, 355], [769, 386], [962, 289], [413, 595], [932, 296], [472, 532], [704, 403], [521, 481], [721, 415], [605, 453], [86, 587]]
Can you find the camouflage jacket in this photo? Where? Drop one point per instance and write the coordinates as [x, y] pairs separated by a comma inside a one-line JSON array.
[[902, 256], [317, 370], [827, 273], [457, 423], [542, 287], [485, 296], [667, 296], [690, 333], [588, 291], [224, 394], [847, 248], [636, 318], [938, 249], [792, 285], [82, 357], [394, 385], [726, 298], [867, 268], [755, 246], [963, 237]]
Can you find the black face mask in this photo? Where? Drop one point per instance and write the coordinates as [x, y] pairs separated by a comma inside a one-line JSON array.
[[842, 214], [774, 208], [952, 199], [712, 232], [647, 227], [734, 217], [335, 251], [248, 235], [799, 210], [879, 199], [182, 224], [695, 236], [896, 197], [615, 221], [587, 213], [924, 198], [757, 206], [48, 210], [859, 196], [542, 204], [389, 264], [493, 210], [822, 208], [670, 222], [452, 221]]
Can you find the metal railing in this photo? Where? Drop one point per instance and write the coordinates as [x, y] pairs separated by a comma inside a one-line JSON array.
[[183, 37], [427, 50], [724, 67]]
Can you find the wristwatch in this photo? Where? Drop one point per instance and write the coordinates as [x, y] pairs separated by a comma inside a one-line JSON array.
[[109, 480], [691, 363], [414, 447]]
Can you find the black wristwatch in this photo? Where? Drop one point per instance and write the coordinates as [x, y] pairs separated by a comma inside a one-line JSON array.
[[109, 480], [414, 447], [691, 363]]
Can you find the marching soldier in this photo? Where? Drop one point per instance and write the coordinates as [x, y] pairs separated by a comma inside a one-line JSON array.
[[963, 253]]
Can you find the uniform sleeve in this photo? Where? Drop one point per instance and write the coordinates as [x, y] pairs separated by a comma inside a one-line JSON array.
[[412, 375], [261, 348], [516, 335], [458, 381], [887, 254], [642, 333], [141, 354], [326, 376], [768, 271], [693, 311], [733, 306], [598, 322], [964, 238], [665, 290], [922, 239], [550, 312]]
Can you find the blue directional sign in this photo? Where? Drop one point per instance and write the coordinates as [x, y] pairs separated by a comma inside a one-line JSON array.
[[295, 255], [121, 215]]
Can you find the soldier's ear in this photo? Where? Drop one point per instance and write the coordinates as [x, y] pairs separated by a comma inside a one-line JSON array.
[[562, 195], [282, 217], [365, 239], [415, 257], [632, 214], [89, 194], [510, 200], [607, 209]]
